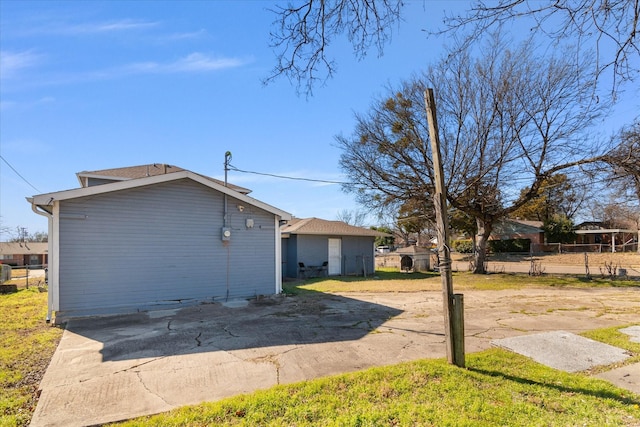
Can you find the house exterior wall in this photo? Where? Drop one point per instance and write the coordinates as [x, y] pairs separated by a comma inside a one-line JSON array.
[[311, 249], [534, 237], [354, 249], [161, 244], [292, 256]]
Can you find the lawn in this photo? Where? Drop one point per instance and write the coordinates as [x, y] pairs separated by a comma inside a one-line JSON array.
[[497, 387], [27, 344]]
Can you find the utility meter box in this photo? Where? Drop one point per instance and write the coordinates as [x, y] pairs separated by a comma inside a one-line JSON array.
[[226, 234]]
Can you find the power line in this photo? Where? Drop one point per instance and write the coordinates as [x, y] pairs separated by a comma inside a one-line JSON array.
[[18, 173], [233, 168]]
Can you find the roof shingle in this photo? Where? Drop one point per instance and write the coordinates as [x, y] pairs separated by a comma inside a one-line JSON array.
[[318, 226]]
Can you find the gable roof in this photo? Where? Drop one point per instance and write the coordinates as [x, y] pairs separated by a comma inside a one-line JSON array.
[[529, 223], [23, 248], [517, 226], [412, 250], [143, 171], [317, 226], [44, 201]]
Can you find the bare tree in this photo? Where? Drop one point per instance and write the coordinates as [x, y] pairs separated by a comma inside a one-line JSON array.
[[304, 32], [609, 27], [624, 162], [509, 119], [352, 217]]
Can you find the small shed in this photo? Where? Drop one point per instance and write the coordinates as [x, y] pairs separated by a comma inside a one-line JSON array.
[[410, 258], [309, 243]]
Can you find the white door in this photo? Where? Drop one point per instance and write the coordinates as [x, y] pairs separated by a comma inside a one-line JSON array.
[[335, 257]]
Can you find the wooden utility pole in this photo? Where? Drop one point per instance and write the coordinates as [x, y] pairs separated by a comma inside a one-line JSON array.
[[453, 304]]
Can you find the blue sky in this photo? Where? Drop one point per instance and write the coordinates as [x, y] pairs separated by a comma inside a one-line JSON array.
[[96, 85]]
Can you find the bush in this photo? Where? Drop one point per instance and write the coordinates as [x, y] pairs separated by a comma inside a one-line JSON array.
[[510, 245], [463, 246]]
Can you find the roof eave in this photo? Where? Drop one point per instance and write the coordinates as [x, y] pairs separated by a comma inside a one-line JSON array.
[[48, 198]]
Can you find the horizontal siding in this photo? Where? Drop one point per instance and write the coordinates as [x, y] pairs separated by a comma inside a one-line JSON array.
[[313, 250], [353, 249], [161, 244]]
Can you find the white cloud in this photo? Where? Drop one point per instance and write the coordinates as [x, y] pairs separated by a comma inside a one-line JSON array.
[[194, 62], [12, 63], [186, 36], [14, 105], [105, 27]]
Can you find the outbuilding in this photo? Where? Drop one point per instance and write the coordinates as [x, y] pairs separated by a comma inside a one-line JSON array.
[[124, 243], [314, 246]]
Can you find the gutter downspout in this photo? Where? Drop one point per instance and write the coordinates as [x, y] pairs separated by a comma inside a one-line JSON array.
[[50, 238]]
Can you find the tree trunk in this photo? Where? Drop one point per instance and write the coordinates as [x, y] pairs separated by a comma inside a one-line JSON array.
[[480, 253]]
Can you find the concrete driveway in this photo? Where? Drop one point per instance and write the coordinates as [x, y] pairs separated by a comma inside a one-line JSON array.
[[114, 368]]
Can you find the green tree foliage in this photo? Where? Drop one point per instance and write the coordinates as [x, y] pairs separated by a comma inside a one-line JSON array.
[[386, 240], [559, 229], [557, 195]]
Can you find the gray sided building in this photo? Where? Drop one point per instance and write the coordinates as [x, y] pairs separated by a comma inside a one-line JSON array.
[[126, 243], [312, 242]]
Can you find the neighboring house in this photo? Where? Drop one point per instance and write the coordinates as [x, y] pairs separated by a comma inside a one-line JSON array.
[[125, 242], [347, 250], [507, 229], [23, 253], [610, 239]]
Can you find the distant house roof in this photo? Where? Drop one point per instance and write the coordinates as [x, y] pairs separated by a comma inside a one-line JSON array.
[[142, 171], [11, 248], [517, 226], [317, 226], [535, 224]]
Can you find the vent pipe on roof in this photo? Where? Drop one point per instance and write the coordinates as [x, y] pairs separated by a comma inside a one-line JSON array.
[[227, 161]]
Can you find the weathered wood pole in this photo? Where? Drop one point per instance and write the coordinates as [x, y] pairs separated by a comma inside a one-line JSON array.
[[453, 310]]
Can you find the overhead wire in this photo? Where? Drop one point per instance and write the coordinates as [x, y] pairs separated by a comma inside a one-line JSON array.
[[324, 181], [18, 173]]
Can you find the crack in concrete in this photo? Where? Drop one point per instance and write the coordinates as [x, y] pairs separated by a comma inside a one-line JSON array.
[[140, 364], [152, 392], [229, 332]]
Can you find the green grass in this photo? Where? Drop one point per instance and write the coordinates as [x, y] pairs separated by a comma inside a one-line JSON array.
[[26, 346], [388, 280], [614, 337], [497, 388]]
